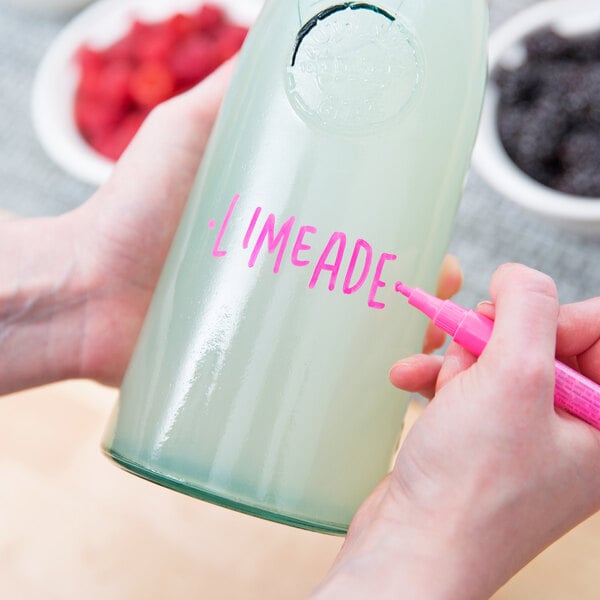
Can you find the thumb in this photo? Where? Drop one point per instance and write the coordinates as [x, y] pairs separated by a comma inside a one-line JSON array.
[[522, 348]]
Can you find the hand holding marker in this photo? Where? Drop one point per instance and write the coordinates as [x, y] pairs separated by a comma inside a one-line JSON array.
[[573, 392]]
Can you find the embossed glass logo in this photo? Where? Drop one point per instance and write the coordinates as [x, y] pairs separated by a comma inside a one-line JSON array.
[[354, 68]]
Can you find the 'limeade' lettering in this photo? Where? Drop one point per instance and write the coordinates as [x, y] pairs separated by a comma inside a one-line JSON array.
[[275, 237], [339, 239], [281, 240]]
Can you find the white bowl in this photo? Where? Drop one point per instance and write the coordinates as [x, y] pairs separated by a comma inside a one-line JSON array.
[[50, 7], [56, 79], [575, 213]]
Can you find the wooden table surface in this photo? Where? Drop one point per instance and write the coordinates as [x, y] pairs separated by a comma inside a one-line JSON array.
[[72, 525]]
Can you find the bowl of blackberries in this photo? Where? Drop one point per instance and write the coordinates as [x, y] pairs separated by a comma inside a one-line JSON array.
[[539, 139]]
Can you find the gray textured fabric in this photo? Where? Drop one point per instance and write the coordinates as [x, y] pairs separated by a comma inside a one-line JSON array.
[[30, 183], [489, 229]]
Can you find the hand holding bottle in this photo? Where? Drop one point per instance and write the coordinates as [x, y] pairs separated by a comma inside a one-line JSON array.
[[108, 253], [89, 274]]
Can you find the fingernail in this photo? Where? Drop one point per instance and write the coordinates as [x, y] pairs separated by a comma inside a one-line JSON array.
[[487, 309]]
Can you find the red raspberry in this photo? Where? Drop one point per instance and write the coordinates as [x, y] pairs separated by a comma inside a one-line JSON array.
[[90, 83], [180, 25], [109, 84], [122, 49], [155, 44], [115, 80], [138, 31], [89, 59], [93, 116], [208, 17], [230, 39], [112, 143], [194, 59], [151, 84]]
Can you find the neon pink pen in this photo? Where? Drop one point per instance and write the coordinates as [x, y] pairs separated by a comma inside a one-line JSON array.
[[573, 392]]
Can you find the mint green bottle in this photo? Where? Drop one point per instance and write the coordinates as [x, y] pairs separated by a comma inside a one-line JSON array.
[[259, 381]]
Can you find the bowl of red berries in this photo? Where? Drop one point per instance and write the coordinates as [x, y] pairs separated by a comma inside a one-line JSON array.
[[539, 139], [117, 60]]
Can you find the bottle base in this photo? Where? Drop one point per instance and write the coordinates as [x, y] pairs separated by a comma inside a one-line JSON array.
[[222, 500]]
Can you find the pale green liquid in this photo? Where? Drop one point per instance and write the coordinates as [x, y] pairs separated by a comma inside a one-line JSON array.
[[247, 388]]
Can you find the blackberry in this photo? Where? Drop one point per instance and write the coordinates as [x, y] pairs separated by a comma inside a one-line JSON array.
[[583, 182], [509, 122], [519, 85], [580, 148], [585, 48], [590, 92], [549, 111], [542, 130], [544, 44]]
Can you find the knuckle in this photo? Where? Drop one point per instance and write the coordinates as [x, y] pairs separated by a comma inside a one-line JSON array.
[[165, 112], [161, 111], [533, 370], [541, 284]]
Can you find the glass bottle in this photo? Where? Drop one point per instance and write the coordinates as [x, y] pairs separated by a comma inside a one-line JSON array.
[[259, 381]]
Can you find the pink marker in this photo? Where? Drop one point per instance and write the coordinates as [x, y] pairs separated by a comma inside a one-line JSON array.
[[573, 392]]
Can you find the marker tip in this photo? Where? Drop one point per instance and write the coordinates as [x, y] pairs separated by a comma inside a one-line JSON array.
[[403, 289]]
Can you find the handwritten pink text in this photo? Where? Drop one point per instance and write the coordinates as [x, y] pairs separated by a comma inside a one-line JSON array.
[[275, 237]]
